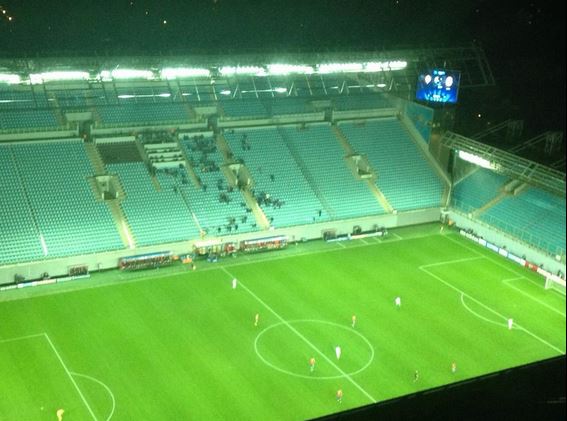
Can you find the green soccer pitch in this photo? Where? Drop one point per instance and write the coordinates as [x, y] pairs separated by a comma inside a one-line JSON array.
[[175, 344]]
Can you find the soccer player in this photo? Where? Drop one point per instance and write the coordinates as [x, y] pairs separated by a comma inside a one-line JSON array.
[[415, 376], [453, 367], [510, 323], [256, 319], [59, 414], [338, 352], [234, 282], [398, 302], [353, 320], [339, 395], [311, 364]]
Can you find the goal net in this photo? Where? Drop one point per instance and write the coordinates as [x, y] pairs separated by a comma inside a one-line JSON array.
[[556, 283]]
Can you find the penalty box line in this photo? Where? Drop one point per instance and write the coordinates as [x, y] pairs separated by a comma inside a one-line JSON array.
[[46, 336], [423, 268], [307, 341]]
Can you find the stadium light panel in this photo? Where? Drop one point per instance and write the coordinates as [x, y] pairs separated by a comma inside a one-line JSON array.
[[9, 78], [286, 69], [280, 90], [180, 72], [36, 78], [225, 92], [477, 160], [339, 68], [130, 74], [382, 66], [242, 70]]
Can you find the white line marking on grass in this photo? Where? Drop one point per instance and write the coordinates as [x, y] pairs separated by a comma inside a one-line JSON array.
[[20, 338], [492, 259], [399, 237], [103, 385], [307, 341], [363, 241], [70, 376], [543, 341], [448, 262], [508, 282], [478, 315], [312, 376], [341, 244]]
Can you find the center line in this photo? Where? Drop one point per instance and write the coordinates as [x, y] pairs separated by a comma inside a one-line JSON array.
[[307, 341]]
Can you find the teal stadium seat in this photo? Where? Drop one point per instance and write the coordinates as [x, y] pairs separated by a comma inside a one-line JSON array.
[[405, 177], [54, 176], [269, 155]]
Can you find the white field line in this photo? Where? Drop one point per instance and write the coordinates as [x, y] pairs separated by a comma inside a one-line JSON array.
[[341, 244], [399, 237], [20, 338], [70, 376], [362, 240], [448, 262], [508, 282], [533, 335], [479, 315], [492, 259], [307, 341], [105, 387]]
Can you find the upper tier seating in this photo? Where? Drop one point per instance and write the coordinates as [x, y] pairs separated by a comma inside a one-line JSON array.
[[405, 177], [143, 113], [477, 189], [19, 237], [71, 221], [27, 119], [535, 216]]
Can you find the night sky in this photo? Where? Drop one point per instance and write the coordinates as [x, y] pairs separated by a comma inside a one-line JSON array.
[[524, 40]]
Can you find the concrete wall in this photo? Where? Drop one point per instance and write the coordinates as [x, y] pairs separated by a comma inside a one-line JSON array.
[[57, 267], [512, 245]]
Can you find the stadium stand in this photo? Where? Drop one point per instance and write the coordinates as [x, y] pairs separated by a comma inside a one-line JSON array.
[[142, 113], [54, 177], [281, 189], [28, 119], [19, 238], [219, 208], [535, 216], [404, 176], [155, 216], [346, 196], [477, 189]]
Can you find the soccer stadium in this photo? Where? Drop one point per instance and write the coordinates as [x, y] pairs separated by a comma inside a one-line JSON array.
[[269, 238]]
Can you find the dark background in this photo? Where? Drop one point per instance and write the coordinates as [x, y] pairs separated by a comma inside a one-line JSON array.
[[524, 40]]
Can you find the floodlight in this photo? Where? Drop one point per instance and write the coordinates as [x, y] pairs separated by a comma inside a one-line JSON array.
[[475, 159], [9, 78], [381, 66], [280, 90], [225, 92], [285, 69], [242, 70], [339, 67], [131, 74], [58, 75], [179, 72]]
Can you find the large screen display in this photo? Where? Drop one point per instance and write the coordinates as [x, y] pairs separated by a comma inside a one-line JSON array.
[[438, 86]]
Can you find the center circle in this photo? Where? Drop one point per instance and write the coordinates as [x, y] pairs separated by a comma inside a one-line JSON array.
[[289, 325]]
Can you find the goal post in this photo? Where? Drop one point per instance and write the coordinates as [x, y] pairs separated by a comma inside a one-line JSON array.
[[556, 283]]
